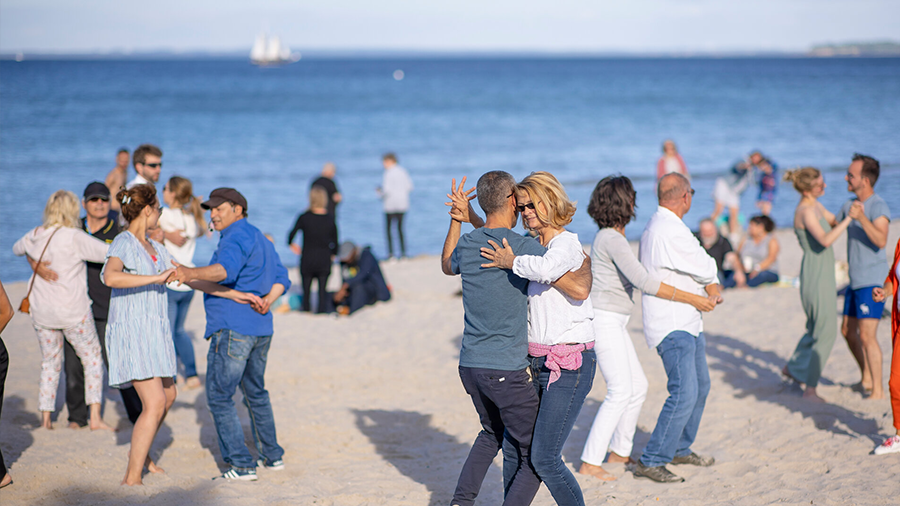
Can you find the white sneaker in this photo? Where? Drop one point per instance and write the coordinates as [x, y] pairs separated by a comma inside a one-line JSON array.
[[275, 465], [892, 445]]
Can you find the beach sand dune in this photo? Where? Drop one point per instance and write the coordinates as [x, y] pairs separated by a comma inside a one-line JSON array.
[[370, 411]]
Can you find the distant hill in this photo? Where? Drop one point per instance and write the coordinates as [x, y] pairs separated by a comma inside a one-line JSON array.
[[861, 49]]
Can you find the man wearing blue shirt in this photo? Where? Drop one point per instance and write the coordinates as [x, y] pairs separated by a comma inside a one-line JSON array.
[[866, 240], [240, 333]]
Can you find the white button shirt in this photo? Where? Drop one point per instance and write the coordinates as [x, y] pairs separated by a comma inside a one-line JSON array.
[[671, 253]]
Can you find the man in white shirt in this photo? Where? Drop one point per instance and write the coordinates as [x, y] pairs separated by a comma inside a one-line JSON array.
[[394, 191], [147, 161], [671, 253]]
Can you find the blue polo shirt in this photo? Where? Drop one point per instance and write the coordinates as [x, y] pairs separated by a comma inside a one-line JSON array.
[[252, 266]]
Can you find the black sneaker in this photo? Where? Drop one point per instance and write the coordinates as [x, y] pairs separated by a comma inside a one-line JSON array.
[[658, 474], [694, 460]]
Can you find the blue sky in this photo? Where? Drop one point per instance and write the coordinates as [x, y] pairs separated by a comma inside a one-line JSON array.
[[460, 25]]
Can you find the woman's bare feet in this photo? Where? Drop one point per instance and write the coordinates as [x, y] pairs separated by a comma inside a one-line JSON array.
[[153, 468], [126, 482], [7, 480], [73, 425], [45, 420], [595, 471], [192, 383], [788, 376], [615, 458], [101, 425], [811, 395], [875, 396]]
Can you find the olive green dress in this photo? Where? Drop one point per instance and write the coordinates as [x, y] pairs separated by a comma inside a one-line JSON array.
[[818, 295]]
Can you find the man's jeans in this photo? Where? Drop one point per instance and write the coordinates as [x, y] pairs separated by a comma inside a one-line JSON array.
[[507, 406], [238, 360], [684, 358]]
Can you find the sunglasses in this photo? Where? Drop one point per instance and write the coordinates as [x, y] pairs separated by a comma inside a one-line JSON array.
[[522, 208], [95, 199], [153, 165]]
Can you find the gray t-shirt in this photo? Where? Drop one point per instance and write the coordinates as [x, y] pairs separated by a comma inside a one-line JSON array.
[[617, 272], [495, 301], [868, 263]]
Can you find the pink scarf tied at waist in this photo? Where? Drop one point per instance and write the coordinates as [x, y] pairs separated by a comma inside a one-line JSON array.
[[559, 356]]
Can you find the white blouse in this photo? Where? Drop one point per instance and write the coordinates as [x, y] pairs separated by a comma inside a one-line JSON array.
[[553, 316]]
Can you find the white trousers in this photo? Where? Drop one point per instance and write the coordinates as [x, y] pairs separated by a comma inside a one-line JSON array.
[[626, 389]]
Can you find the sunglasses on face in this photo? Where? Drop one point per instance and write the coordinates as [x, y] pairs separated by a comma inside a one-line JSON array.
[[153, 165], [523, 207], [95, 199]]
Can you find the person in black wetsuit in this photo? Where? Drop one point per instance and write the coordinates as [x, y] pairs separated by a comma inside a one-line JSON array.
[[326, 181], [364, 283], [320, 240]]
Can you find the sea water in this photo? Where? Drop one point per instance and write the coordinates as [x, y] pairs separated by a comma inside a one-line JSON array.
[[267, 131]]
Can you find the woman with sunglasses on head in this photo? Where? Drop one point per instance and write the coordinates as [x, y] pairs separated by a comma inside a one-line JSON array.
[[818, 292], [617, 273], [560, 333], [61, 309], [181, 223]]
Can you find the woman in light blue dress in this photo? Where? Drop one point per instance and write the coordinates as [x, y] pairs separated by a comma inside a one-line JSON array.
[[138, 335]]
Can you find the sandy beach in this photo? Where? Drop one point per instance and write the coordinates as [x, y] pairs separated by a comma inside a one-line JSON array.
[[370, 411]]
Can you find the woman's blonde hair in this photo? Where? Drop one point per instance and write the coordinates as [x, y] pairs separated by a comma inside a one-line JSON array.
[[544, 187], [183, 191], [61, 210], [804, 178], [318, 197]]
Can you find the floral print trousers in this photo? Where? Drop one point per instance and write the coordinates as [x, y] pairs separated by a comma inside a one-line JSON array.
[[83, 338]]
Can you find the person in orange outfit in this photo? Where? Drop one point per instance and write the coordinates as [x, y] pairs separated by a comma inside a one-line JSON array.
[[892, 444]]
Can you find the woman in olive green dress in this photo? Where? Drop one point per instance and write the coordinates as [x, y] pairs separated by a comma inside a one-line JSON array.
[[818, 294]]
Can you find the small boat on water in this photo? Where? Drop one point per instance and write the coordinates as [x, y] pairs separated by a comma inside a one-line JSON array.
[[268, 51]]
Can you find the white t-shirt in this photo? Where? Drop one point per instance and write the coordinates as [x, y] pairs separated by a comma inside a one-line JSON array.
[[553, 316], [176, 220]]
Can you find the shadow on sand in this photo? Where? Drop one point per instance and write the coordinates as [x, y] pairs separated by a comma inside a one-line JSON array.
[[757, 373], [16, 428], [408, 441]]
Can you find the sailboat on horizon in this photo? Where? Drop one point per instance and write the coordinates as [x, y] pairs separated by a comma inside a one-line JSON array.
[[268, 51]]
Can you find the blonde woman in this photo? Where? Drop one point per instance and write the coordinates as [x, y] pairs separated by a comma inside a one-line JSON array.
[[817, 283], [560, 329], [61, 309], [320, 244], [182, 223]]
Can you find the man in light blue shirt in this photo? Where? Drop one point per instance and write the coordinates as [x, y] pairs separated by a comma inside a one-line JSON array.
[[866, 239], [240, 333]]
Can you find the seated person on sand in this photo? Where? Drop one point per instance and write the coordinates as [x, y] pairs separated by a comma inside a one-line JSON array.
[[731, 274], [759, 252], [363, 282]]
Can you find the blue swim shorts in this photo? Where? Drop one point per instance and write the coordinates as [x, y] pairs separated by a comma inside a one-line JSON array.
[[859, 304]]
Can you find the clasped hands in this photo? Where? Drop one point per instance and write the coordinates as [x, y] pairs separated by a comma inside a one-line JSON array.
[[184, 275]]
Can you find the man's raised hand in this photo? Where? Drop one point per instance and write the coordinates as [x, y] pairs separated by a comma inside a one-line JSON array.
[[459, 201]]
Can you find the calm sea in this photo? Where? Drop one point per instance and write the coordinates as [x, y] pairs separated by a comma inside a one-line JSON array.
[[267, 131]]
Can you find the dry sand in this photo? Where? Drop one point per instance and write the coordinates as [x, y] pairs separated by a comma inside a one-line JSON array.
[[370, 410]]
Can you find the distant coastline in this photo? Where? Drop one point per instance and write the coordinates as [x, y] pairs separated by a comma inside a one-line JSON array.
[[866, 50]]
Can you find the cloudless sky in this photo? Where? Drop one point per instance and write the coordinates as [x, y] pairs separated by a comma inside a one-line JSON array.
[[459, 25]]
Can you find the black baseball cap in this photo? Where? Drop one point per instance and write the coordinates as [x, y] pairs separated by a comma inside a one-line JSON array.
[[221, 195], [96, 190]]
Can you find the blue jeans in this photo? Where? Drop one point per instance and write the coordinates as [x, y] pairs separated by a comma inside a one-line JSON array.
[[762, 277], [179, 302], [684, 358], [237, 360], [560, 406]]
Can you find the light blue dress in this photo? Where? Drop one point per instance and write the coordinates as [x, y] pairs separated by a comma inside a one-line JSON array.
[[138, 333]]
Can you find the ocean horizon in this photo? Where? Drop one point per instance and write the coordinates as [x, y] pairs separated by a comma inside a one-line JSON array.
[[267, 131]]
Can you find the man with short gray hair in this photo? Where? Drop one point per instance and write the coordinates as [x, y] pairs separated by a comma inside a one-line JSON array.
[[671, 253]]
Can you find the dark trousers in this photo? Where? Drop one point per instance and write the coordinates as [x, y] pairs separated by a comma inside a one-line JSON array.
[[506, 402], [78, 412], [320, 273], [390, 218], [4, 368]]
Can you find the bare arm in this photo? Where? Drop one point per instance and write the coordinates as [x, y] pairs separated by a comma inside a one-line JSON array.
[[876, 231], [577, 284], [774, 248], [114, 276], [214, 273], [671, 293], [6, 309], [450, 245], [828, 215], [336, 197], [457, 196], [175, 238], [269, 298], [812, 225], [43, 269], [225, 292], [715, 296]]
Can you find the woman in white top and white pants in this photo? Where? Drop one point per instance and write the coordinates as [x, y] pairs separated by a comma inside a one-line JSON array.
[[560, 332], [61, 309], [182, 223], [617, 272]]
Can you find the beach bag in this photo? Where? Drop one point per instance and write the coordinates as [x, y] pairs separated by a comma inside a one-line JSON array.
[[25, 306]]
